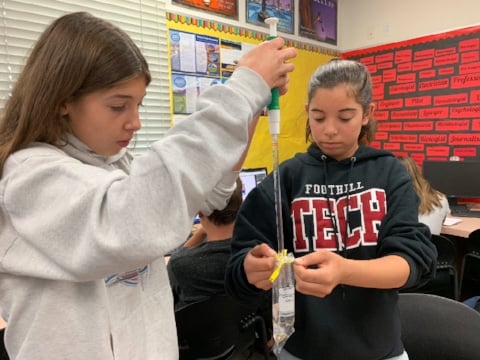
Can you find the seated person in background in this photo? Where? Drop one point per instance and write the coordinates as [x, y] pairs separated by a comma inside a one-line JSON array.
[[434, 206], [197, 270]]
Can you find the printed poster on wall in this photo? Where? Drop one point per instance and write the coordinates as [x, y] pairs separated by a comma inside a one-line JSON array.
[[230, 53], [198, 62], [259, 10], [194, 53], [195, 65], [227, 8], [318, 20]]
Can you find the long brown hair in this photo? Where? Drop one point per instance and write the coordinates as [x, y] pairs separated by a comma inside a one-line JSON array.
[[429, 197], [76, 55]]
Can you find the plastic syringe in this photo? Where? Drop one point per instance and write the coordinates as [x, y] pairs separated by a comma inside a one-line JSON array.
[[283, 282], [274, 127]]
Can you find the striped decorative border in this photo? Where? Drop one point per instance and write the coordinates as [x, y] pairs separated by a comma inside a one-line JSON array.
[[235, 30]]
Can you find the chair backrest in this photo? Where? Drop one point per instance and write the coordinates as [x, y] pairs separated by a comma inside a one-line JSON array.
[[447, 251], [3, 351], [473, 242], [435, 327], [214, 329], [445, 282], [470, 273]]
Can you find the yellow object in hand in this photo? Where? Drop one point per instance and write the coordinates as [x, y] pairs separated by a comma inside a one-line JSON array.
[[282, 259]]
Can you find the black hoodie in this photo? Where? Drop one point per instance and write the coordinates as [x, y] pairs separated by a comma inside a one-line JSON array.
[[351, 322]]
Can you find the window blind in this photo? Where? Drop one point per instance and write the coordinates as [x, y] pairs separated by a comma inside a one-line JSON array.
[[22, 22]]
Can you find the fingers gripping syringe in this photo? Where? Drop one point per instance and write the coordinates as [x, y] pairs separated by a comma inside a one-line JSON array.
[[274, 107]]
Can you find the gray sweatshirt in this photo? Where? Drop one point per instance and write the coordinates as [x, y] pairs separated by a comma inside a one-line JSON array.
[[82, 237]]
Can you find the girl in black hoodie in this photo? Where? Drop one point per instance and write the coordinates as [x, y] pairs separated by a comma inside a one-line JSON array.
[[350, 217]]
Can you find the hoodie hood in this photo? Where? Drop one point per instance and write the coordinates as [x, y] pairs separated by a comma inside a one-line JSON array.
[[80, 151]]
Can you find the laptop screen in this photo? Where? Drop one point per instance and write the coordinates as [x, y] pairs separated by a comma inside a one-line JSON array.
[[251, 178]]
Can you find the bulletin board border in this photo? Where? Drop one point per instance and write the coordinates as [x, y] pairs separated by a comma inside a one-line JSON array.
[[247, 33]]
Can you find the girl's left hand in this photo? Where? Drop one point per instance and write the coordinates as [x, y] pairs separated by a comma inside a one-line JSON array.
[[318, 273]]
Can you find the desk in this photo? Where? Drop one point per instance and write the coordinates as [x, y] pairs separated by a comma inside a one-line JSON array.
[[462, 229]]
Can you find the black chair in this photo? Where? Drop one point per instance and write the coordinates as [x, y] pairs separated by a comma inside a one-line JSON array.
[[470, 273], [3, 351], [445, 282], [218, 329], [435, 327]]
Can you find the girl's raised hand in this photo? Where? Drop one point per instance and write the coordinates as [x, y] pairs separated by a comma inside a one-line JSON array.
[[270, 60]]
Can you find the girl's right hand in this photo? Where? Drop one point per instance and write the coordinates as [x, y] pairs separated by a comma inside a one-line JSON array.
[[270, 60], [259, 265]]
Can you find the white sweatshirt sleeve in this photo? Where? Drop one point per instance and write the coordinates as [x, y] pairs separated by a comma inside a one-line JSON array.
[[63, 219]]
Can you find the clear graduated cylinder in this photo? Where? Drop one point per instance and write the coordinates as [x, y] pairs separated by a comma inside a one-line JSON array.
[[283, 304]]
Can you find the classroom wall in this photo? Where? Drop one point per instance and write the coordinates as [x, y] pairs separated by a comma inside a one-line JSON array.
[[363, 24], [366, 23]]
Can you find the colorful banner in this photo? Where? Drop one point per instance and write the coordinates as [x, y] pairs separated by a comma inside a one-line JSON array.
[[210, 25]]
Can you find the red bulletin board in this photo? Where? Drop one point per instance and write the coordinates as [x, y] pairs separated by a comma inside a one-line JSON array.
[[427, 93]]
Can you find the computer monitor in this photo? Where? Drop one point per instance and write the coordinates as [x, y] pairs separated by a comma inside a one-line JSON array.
[[456, 179], [251, 178]]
